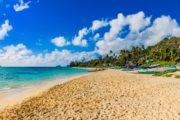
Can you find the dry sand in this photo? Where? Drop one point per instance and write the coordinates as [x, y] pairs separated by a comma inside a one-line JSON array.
[[16, 96], [176, 73], [107, 95]]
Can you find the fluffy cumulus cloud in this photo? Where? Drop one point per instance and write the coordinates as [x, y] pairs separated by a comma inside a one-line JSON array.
[[162, 27], [60, 41], [123, 32], [79, 39], [111, 41], [137, 21], [4, 29], [21, 6], [127, 31], [116, 26], [142, 31], [97, 24], [20, 55]]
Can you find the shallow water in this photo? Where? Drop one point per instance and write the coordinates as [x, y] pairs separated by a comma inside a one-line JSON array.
[[15, 77]]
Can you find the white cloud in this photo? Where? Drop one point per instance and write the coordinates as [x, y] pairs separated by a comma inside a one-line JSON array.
[[96, 37], [21, 6], [111, 40], [138, 21], [4, 29], [60, 41], [161, 28], [97, 24], [20, 55], [116, 25], [104, 47], [79, 39], [142, 32]]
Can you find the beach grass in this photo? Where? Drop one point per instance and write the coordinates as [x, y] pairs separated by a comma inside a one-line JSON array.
[[166, 73], [169, 75], [177, 76]]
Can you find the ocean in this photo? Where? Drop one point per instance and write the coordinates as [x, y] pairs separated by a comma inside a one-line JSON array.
[[15, 77]]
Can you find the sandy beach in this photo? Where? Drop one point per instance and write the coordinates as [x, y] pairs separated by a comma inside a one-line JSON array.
[[15, 96], [107, 95]]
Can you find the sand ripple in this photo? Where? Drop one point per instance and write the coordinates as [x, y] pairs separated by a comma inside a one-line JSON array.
[[105, 95]]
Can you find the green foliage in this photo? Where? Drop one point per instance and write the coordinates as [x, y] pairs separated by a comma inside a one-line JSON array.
[[166, 72], [177, 76], [166, 52], [169, 75], [161, 63]]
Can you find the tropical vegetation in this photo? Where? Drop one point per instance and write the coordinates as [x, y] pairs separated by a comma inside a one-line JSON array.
[[166, 52]]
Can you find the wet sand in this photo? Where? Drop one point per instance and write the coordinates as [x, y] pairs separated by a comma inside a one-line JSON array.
[[15, 96], [107, 95]]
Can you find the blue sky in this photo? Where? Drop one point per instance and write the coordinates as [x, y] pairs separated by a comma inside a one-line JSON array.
[[47, 27]]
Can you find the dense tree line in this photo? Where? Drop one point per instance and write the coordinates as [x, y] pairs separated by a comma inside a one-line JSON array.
[[166, 51]]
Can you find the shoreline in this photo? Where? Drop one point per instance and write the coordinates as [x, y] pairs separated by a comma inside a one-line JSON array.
[[109, 94], [9, 100], [92, 69]]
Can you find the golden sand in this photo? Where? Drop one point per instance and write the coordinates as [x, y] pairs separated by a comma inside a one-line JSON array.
[[107, 95], [18, 95]]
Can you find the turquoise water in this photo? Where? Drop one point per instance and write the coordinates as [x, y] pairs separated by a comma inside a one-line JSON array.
[[12, 77]]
